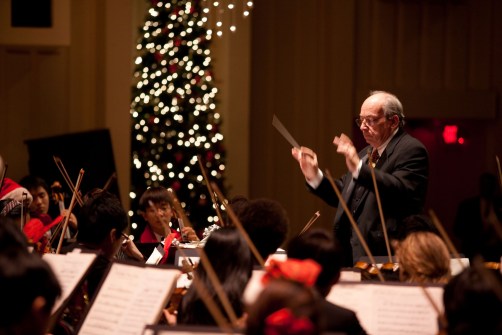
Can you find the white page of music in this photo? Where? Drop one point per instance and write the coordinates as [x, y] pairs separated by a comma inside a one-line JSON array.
[[69, 269], [130, 298], [390, 309]]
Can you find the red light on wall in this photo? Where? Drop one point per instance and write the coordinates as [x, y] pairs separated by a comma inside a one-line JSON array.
[[450, 134], [461, 140]]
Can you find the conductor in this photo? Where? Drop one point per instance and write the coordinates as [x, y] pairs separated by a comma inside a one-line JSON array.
[[401, 171]]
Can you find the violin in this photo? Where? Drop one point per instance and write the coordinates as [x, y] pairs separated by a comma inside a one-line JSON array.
[[58, 195], [390, 271]]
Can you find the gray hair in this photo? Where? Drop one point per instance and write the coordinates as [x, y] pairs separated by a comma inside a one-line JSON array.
[[391, 106]]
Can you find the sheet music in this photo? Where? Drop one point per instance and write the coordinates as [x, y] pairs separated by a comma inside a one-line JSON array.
[[390, 309], [130, 298], [69, 270]]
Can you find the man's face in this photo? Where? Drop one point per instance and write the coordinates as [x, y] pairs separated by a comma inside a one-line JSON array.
[[40, 203], [376, 128], [158, 217]]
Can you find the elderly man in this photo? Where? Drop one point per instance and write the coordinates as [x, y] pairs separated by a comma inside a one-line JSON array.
[[401, 170]]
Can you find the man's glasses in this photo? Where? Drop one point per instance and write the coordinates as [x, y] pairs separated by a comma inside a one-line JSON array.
[[369, 121]]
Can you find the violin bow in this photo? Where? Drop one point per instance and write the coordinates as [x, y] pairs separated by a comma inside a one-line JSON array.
[[310, 222], [239, 226], [179, 209], [487, 275], [445, 237], [24, 198], [441, 318], [209, 268], [108, 183], [499, 169], [354, 224], [3, 172], [66, 177], [211, 192], [380, 210], [70, 209]]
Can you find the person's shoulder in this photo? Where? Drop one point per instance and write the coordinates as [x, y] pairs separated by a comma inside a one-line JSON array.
[[338, 311], [342, 319]]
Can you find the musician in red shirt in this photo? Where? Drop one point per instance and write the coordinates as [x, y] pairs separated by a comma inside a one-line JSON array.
[[156, 207]]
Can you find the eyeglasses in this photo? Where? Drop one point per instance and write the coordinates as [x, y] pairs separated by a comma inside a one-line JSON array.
[[370, 121]]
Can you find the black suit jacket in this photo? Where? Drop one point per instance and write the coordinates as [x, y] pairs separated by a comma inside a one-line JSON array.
[[340, 319], [402, 176]]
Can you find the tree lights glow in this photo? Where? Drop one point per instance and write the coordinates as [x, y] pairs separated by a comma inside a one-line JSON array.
[[173, 109]]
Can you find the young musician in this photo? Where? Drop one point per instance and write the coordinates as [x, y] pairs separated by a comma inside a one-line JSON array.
[[44, 221], [156, 208]]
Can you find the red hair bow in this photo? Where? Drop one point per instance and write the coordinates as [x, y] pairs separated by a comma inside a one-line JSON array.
[[284, 321], [301, 271]]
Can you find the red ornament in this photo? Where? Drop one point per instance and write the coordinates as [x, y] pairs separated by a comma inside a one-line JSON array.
[[209, 156], [176, 185], [158, 56], [177, 42], [178, 157], [173, 68]]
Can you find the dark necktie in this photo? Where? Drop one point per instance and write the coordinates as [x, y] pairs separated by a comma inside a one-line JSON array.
[[374, 157]]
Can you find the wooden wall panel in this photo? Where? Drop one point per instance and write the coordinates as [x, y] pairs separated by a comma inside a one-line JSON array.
[[432, 46], [408, 42], [302, 72], [456, 53], [480, 45], [383, 43], [36, 100]]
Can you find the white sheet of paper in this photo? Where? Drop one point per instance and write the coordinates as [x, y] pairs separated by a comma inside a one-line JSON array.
[[154, 258], [130, 298], [386, 309], [455, 266], [69, 270]]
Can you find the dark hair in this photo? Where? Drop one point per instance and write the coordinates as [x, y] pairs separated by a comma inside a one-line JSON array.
[[472, 305], [230, 257], [157, 195], [30, 182], [302, 301], [23, 277], [266, 223], [100, 213], [318, 245], [413, 224], [12, 240]]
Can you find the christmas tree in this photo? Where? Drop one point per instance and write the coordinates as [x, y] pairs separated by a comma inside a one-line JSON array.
[[173, 109]]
